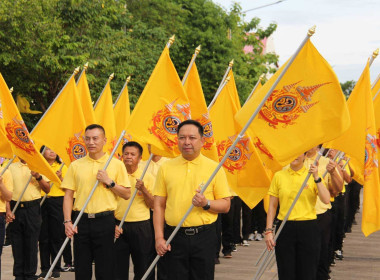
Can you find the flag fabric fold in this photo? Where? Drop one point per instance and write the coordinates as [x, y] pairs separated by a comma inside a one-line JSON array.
[[305, 109], [65, 112], [18, 135], [199, 111], [105, 116], [85, 99], [162, 105], [245, 171]]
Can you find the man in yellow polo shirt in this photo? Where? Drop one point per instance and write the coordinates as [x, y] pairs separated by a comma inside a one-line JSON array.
[[95, 232], [26, 222], [136, 237], [192, 251], [6, 189]]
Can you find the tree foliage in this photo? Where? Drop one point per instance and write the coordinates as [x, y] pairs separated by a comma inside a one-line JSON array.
[[42, 41], [347, 87]]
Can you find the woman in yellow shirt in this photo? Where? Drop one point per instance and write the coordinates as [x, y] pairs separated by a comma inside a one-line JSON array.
[[298, 245], [52, 231]]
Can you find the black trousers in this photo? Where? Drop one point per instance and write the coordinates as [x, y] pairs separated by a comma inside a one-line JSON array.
[[2, 236], [259, 217], [94, 241], [324, 225], [236, 224], [338, 207], [25, 230], [246, 228], [228, 228], [297, 250], [191, 256], [137, 241], [218, 230], [52, 232], [353, 202]]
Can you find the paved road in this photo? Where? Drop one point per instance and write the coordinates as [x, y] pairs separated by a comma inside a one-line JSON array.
[[361, 260]]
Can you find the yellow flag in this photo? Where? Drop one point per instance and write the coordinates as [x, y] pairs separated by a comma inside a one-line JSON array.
[[306, 108], [376, 88], [5, 146], [19, 137], [24, 106], [245, 171], [105, 116], [161, 107], [360, 144], [85, 99], [62, 126], [199, 111], [122, 111]]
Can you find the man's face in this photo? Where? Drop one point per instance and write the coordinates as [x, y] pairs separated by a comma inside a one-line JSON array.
[[94, 140], [131, 156], [190, 141], [312, 151], [298, 161], [332, 153]]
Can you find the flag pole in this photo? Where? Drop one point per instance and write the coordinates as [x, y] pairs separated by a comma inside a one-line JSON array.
[[171, 41], [6, 166], [254, 88], [221, 85], [375, 82], [109, 80], [264, 264], [197, 50], [85, 66], [84, 207], [344, 166], [51, 184], [374, 55], [135, 192], [118, 97], [217, 93], [55, 99], [377, 93], [334, 159], [238, 138]]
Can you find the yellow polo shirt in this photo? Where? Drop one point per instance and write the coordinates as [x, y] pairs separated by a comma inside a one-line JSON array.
[[139, 210], [285, 185], [178, 179], [21, 174], [55, 190], [153, 166], [81, 178], [320, 207], [8, 182]]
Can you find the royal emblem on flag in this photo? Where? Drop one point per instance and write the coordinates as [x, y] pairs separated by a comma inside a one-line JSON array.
[[285, 106], [207, 131], [238, 156], [76, 148], [18, 134], [166, 121], [371, 161]]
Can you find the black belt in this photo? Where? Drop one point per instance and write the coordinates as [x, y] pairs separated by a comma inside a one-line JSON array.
[[189, 231], [2, 214], [27, 204], [95, 215]]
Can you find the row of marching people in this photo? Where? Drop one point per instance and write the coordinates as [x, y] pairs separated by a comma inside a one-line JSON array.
[[168, 191], [312, 238]]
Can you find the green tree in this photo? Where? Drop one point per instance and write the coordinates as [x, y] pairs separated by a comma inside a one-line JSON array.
[[42, 41], [347, 87]]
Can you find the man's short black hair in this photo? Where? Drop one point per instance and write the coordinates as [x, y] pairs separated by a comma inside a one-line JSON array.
[[133, 144], [93, 126], [192, 122]]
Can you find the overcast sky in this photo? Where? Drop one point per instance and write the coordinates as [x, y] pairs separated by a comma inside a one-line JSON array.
[[347, 33]]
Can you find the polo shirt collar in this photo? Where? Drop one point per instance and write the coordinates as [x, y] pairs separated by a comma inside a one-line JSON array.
[[137, 173], [100, 160], [299, 172], [196, 161]]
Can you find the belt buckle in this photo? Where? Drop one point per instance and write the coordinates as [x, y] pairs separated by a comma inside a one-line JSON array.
[[91, 215], [22, 205], [190, 231]]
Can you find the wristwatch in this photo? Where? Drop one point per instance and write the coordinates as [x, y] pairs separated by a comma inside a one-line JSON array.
[[207, 206], [39, 178], [110, 186], [318, 180]]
